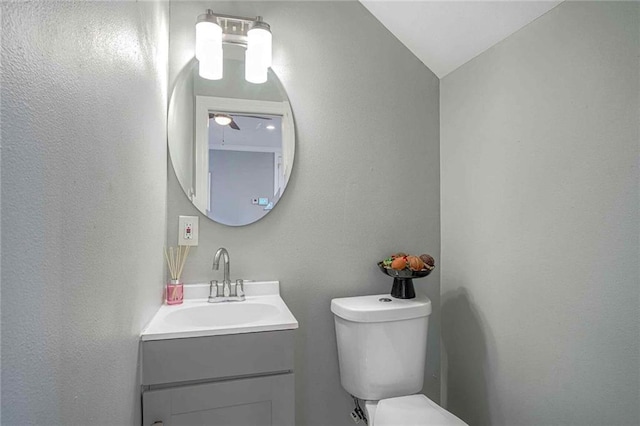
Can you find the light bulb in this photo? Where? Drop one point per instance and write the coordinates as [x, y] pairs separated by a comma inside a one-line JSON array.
[[211, 64], [258, 55], [259, 37], [254, 69], [208, 36], [222, 119], [209, 47]]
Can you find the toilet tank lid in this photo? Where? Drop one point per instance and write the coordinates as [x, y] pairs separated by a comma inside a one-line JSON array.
[[380, 308]]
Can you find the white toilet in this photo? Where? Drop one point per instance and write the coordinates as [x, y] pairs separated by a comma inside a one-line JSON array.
[[382, 343]]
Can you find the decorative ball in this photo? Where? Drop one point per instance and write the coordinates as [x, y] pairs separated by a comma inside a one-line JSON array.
[[415, 263], [399, 263], [428, 260]]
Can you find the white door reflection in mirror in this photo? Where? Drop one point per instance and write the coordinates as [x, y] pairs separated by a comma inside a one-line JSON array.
[[244, 150]]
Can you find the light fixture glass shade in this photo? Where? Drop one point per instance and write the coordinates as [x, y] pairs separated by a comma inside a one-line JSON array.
[[222, 119], [210, 66], [259, 38], [209, 48], [255, 70], [208, 36], [258, 55]]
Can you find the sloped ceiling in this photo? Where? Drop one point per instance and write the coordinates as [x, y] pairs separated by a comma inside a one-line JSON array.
[[446, 34]]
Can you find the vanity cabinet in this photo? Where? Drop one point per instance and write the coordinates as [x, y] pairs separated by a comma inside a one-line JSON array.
[[237, 379]]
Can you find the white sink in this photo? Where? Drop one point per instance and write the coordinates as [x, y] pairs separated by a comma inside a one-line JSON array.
[[263, 310], [220, 315]]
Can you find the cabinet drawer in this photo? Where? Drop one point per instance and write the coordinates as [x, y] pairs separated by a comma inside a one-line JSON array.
[[216, 357], [263, 401]]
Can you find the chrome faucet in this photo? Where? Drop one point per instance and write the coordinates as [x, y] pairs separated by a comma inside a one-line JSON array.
[[225, 291], [216, 263]]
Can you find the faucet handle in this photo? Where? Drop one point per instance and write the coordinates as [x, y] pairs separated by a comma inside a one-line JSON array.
[[240, 288], [213, 290]]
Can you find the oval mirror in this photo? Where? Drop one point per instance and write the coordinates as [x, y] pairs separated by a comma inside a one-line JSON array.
[[231, 142]]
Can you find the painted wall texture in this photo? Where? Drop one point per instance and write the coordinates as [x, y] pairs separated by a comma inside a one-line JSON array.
[[83, 205], [365, 182], [540, 280], [239, 177]]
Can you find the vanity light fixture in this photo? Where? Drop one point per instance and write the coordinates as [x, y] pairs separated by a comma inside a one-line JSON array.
[[213, 30]]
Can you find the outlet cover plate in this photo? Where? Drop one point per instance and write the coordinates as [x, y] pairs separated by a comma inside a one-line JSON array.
[[188, 230]]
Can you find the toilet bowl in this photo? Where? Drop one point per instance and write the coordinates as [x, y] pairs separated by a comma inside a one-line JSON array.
[[382, 344], [412, 410]]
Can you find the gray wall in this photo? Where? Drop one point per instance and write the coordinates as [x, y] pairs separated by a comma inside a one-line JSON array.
[[540, 280], [365, 181], [237, 177], [84, 195]]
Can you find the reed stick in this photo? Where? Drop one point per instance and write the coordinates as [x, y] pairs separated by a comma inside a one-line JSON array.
[[172, 268], [166, 256], [185, 253]]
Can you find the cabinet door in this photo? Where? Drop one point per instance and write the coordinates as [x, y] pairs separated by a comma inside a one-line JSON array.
[[258, 401]]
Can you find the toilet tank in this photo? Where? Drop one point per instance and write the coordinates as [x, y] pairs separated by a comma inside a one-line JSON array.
[[382, 343]]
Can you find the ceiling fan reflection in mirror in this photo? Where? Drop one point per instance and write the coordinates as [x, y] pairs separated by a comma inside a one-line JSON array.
[[227, 119]]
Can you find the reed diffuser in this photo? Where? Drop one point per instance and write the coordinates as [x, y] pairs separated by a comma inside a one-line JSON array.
[[175, 261]]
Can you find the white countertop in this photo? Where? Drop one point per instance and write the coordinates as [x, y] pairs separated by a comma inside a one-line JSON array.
[[263, 310]]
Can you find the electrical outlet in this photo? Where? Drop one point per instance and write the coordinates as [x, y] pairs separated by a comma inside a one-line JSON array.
[[188, 230]]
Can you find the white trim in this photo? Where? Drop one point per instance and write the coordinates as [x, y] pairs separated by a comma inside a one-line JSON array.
[[201, 155], [209, 192], [288, 143], [278, 174], [249, 148], [245, 106]]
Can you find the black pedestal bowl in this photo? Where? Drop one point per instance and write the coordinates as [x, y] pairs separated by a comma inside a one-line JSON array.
[[403, 281]]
